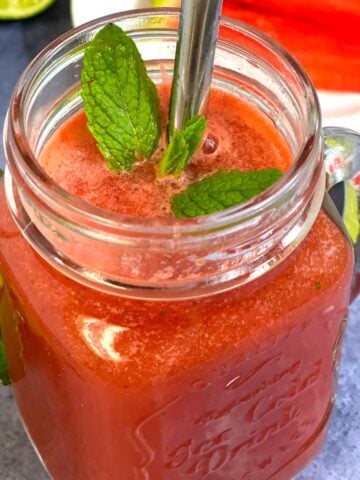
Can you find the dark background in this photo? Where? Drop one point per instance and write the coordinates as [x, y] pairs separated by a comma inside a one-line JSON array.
[[21, 41], [340, 457]]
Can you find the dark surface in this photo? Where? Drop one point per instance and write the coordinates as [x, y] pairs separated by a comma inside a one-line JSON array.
[[340, 457], [21, 41]]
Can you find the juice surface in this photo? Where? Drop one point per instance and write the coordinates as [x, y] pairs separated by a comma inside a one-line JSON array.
[[247, 140], [234, 386]]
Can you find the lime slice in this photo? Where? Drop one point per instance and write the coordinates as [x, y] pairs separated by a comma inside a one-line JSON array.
[[19, 9]]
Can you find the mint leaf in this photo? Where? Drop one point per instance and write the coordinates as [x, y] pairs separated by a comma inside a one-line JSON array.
[[175, 156], [193, 133], [4, 373], [224, 189], [120, 100], [182, 147]]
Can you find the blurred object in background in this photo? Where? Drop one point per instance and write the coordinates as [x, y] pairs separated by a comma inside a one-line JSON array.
[[340, 109], [324, 35], [84, 10], [20, 9]]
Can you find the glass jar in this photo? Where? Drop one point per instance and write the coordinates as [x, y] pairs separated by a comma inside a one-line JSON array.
[[164, 349]]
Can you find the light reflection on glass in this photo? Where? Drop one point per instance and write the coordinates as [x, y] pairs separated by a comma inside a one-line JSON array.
[[100, 337]]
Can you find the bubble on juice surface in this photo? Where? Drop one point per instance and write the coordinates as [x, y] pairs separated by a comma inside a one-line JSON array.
[[210, 144]]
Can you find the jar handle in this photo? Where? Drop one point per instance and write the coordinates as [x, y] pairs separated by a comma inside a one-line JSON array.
[[342, 164]]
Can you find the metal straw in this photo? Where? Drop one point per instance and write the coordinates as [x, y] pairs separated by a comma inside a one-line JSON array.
[[194, 61]]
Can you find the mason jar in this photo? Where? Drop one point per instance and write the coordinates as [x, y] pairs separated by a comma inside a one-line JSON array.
[[147, 349]]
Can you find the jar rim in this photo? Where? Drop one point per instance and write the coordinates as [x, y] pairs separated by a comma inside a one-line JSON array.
[[166, 226]]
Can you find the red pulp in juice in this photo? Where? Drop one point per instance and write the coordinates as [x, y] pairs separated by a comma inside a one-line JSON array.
[[234, 386]]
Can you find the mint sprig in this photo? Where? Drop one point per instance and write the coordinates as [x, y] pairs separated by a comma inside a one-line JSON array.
[[224, 189], [120, 100], [123, 111], [182, 147]]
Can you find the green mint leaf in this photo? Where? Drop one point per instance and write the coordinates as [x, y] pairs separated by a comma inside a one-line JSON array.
[[193, 133], [224, 189], [4, 373], [120, 100], [175, 155], [182, 147]]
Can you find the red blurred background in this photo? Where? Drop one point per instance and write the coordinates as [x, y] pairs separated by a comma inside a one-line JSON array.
[[324, 35]]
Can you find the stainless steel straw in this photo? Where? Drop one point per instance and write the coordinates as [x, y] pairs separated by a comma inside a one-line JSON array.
[[194, 62]]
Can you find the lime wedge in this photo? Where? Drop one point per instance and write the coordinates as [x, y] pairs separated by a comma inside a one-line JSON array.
[[19, 9]]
